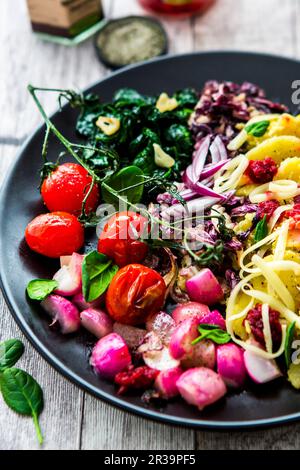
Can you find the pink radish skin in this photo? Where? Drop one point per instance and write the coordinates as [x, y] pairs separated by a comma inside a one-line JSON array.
[[203, 354], [80, 302], [62, 311], [182, 337], [96, 322], [165, 382], [204, 288], [231, 365], [161, 323], [213, 318], [259, 369], [110, 356], [132, 336], [69, 276], [201, 387], [188, 310]]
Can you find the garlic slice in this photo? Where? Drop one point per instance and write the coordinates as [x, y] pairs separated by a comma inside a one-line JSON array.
[[165, 103], [161, 158], [108, 125]]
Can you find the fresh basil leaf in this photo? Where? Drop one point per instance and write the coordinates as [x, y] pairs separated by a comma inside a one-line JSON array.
[[23, 395], [128, 182], [261, 230], [39, 289], [258, 129], [212, 332], [288, 343], [10, 352], [97, 273]]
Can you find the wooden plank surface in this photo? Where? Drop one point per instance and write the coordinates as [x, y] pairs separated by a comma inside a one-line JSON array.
[[73, 419]]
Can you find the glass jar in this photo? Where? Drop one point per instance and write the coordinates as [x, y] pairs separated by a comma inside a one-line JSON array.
[[176, 8]]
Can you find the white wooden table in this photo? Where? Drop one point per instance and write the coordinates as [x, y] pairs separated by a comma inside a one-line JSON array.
[[72, 419]]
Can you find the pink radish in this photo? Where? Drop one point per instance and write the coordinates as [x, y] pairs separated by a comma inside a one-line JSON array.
[[161, 323], [182, 337], [204, 288], [201, 387], [132, 336], [96, 322], [110, 356], [165, 382], [231, 365], [69, 276], [213, 318], [79, 301], [202, 354], [259, 369], [160, 359], [62, 311], [190, 309]]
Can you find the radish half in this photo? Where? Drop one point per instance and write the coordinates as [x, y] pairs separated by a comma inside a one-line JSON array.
[[69, 276], [259, 369], [62, 311], [204, 288]]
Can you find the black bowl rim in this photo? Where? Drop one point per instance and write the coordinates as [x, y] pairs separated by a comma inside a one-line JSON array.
[[57, 364]]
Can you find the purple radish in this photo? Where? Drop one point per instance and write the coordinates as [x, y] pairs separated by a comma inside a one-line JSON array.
[[96, 322], [204, 288], [260, 369], [201, 387], [231, 365], [202, 354], [69, 276], [110, 356], [182, 337], [188, 310], [62, 311], [165, 382]]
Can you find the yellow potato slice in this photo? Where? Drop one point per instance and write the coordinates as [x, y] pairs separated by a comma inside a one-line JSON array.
[[289, 169], [278, 148]]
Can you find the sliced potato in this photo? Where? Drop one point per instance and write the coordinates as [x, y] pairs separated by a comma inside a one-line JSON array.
[[278, 148], [294, 375], [289, 169]]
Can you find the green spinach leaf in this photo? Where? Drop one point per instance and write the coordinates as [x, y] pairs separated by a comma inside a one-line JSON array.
[[261, 230], [10, 352], [23, 395], [97, 273], [258, 129], [39, 289], [130, 177]]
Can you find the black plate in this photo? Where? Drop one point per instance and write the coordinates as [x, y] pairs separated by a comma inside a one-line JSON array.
[[257, 406]]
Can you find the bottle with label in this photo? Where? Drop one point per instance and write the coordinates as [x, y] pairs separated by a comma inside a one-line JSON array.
[[67, 22], [176, 8]]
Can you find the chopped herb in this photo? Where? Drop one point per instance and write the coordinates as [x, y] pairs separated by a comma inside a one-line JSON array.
[[39, 289], [288, 343], [97, 273]]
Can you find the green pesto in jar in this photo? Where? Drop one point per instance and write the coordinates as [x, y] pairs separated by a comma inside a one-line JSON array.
[[129, 40]]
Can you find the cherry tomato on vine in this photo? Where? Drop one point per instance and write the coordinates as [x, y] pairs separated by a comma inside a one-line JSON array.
[[118, 238], [54, 234], [65, 188], [135, 293]]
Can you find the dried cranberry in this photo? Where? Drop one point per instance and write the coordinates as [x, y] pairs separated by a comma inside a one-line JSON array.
[[294, 214], [267, 208], [255, 321], [261, 171], [135, 378]]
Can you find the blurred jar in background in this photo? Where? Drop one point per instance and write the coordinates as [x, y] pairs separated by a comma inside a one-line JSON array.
[[176, 8]]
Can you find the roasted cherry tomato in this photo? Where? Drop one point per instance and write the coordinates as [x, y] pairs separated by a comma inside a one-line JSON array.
[[55, 234], [135, 293], [65, 188], [118, 239]]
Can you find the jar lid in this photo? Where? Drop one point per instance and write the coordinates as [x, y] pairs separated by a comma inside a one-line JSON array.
[[129, 40]]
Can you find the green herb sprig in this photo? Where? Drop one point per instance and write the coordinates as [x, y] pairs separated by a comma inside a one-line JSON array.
[[20, 390], [258, 129], [261, 230], [212, 332]]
